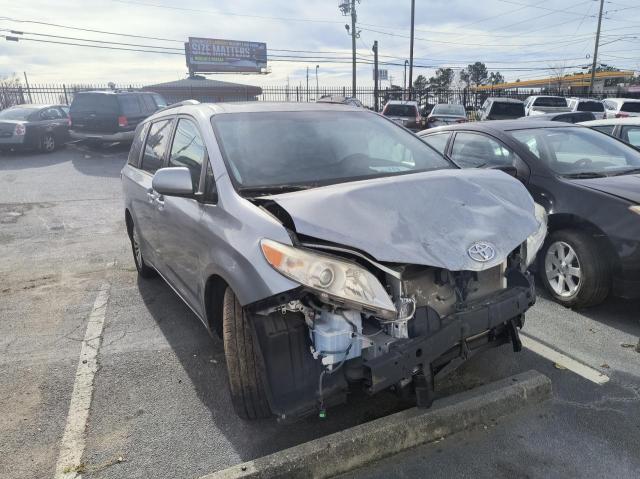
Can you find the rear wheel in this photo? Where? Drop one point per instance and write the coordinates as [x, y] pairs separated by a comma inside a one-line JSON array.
[[144, 270], [245, 379], [574, 269], [47, 143]]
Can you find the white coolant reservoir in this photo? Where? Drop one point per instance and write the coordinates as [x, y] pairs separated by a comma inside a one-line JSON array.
[[332, 334]]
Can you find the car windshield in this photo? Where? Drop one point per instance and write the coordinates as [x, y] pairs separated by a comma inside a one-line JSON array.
[[590, 106], [400, 110], [631, 106], [578, 151], [17, 113], [554, 101], [312, 148], [448, 110]]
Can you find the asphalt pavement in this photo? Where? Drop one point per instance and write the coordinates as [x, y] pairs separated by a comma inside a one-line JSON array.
[[160, 406]]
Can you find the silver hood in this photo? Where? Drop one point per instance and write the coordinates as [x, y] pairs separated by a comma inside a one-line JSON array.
[[430, 218]]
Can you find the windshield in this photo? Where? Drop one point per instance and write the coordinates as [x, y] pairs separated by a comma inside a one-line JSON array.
[[400, 110], [554, 101], [311, 148], [448, 110], [17, 113], [577, 151], [631, 106], [590, 106]]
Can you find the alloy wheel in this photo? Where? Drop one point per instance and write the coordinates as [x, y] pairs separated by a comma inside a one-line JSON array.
[[48, 143], [563, 270]]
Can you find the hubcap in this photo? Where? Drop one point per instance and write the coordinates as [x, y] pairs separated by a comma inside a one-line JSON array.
[[48, 143], [136, 248], [562, 268]]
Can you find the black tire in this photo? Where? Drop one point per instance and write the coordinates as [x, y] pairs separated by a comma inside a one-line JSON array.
[[144, 270], [48, 143], [594, 265], [248, 394]]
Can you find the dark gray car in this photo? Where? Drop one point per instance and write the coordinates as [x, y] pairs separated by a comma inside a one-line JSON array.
[[328, 246], [38, 127]]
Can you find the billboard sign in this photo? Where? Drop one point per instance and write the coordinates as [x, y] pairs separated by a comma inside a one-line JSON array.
[[210, 55], [382, 74]]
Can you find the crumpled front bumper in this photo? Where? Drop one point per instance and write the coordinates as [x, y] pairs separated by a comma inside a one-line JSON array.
[[495, 318]]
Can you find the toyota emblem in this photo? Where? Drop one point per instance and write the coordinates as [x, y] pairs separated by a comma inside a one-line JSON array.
[[481, 252]]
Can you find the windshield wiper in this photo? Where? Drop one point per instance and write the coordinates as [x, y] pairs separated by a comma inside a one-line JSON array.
[[270, 189], [585, 174], [629, 171]]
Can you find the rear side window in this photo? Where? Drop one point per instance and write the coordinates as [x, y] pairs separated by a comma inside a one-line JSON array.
[[631, 106], [156, 145], [130, 105], [136, 145], [476, 150], [160, 101], [608, 129], [590, 106], [610, 105], [188, 149], [94, 102], [149, 104], [551, 101], [631, 134], [401, 110], [437, 141], [507, 109]]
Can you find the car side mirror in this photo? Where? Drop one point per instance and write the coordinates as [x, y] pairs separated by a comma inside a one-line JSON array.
[[173, 181], [508, 169]]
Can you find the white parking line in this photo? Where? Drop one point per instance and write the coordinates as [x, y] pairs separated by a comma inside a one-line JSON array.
[[73, 440], [557, 357]]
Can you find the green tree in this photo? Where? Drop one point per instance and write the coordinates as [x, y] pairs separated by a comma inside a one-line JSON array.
[[478, 73], [442, 79], [420, 83], [495, 78], [465, 77]]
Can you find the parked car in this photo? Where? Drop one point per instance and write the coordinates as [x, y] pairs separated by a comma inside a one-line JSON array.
[[567, 117], [405, 113], [539, 105], [587, 104], [111, 116], [39, 127], [626, 129], [587, 181], [445, 114], [498, 108], [299, 232], [621, 107], [341, 100]]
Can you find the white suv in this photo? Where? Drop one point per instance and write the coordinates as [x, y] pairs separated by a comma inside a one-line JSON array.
[[621, 107], [587, 104]]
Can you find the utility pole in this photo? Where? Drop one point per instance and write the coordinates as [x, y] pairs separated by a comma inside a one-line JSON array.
[[595, 50], [375, 75], [404, 78], [413, 15], [353, 48]]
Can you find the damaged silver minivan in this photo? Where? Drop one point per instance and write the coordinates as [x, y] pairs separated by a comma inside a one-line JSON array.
[[329, 247]]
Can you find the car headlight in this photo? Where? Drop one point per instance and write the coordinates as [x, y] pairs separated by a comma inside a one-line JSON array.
[[535, 241], [331, 277], [635, 209]]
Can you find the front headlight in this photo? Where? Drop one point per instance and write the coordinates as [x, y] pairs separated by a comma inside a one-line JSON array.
[[329, 276], [535, 241], [635, 209]]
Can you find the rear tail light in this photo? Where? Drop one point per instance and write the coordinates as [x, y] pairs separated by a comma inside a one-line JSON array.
[[19, 130], [622, 114], [122, 121]]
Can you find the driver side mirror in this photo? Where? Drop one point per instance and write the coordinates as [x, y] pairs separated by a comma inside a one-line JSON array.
[[173, 181]]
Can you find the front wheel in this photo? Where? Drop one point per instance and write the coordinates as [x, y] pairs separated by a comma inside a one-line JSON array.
[[248, 394], [47, 143], [574, 269]]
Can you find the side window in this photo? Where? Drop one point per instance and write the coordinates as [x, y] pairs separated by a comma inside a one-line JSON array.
[[609, 105], [136, 145], [631, 134], [472, 150], [210, 191], [149, 104], [50, 114], [188, 149], [608, 129], [160, 101], [437, 141], [156, 145], [62, 112], [130, 106]]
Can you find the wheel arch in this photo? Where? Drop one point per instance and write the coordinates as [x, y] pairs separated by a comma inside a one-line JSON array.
[[128, 219], [214, 290]]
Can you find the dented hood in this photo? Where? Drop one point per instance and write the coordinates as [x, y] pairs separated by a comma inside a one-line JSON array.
[[430, 218]]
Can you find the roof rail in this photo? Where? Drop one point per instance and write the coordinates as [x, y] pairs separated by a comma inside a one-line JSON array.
[[180, 103]]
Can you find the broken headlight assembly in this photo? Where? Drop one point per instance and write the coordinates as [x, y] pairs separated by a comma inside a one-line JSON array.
[[535, 241], [635, 209], [332, 278]]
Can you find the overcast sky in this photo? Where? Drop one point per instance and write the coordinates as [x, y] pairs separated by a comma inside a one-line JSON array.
[[511, 36]]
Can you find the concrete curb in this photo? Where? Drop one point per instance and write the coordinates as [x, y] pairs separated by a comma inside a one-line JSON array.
[[354, 447]]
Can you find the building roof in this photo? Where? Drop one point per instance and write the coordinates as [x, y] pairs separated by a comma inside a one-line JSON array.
[[580, 79], [205, 84]]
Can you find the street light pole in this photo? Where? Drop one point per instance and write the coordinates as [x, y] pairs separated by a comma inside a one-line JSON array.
[[404, 78], [317, 89], [375, 75], [413, 15], [595, 51]]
